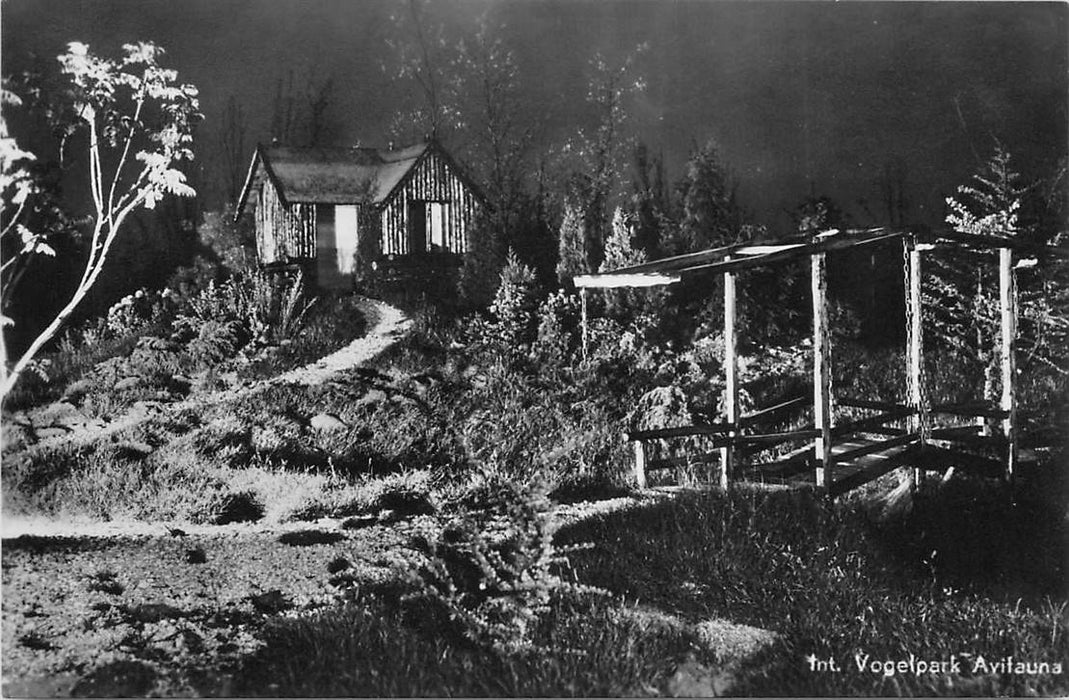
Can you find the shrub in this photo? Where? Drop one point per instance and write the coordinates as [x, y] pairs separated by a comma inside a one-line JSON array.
[[266, 309], [496, 584], [557, 341], [514, 305]]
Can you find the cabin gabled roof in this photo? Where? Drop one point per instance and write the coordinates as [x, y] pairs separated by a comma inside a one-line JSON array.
[[331, 175]]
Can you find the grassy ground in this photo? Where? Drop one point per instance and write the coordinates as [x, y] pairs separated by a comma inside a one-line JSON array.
[[956, 573], [961, 575], [76, 372]]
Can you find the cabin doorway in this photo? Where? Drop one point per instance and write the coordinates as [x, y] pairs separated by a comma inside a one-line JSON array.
[[336, 236]]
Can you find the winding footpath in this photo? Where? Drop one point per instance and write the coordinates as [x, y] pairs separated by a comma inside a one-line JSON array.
[[386, 325]]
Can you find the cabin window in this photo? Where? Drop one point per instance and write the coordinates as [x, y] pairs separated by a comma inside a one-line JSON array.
[[427, 226]]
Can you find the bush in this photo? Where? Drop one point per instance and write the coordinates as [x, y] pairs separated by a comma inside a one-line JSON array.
[[495, 585], [513, 309]]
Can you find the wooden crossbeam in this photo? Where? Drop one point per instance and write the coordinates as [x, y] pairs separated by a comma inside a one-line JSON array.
[[758, 416], [850, 455], [741, 257], [667, 462], [750, 262], [873, 405], [773, 438], [796, 463], [682, 431], [863, 424], [871, 472], [975, 409], [628, 279]]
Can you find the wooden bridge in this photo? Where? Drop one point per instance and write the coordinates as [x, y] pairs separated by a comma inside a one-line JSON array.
[[838, 457]]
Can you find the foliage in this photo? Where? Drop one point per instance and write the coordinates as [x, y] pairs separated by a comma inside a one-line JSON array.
[[482, 264], [496, 583], [961, 296], [557, 341], [572, 246], [650, 201], [711, 215], [228, 242], [621, 251], [140, 123], [595, 155], [255, 307], [514, 306], [18, 189]]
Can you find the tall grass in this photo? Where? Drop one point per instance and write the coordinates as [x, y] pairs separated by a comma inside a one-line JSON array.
[[834, 583]]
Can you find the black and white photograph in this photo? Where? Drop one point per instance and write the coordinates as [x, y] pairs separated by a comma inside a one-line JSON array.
[[534, 348]]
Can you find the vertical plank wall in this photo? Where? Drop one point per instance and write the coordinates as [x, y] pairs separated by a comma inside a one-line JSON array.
[[284, 233], [433, 180]]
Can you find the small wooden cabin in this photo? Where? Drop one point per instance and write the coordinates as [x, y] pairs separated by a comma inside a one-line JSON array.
[[330, 210]]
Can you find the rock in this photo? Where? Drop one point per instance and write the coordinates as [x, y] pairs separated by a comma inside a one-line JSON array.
[[373, 396], [729, 641], [49, 432], [271, 602], [327, 421], [196, 556], [127, 383], [241, 507], [154, 612], [74, 420]]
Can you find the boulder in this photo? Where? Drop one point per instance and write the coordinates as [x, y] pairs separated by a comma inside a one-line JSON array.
[[52, 431], [127, 383], [327, 422], [55, 413], [373, 396]]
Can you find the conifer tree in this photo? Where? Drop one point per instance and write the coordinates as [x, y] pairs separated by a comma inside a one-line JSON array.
[[572, 246]]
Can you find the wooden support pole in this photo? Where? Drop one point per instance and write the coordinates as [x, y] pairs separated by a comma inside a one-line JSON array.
[[640, 463], [1008, 302], [915, 352], [731, 378], [583, 318], [821, 372]]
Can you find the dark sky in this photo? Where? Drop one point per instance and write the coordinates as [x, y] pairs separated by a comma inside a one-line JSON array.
[[801, 96]]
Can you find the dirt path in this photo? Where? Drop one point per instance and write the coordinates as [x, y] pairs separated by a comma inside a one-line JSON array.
[[190, 605], [386, 324]]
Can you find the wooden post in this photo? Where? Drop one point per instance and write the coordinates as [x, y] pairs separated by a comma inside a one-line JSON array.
[[915, 351], [821, 372], [585, 331], [731, 378], [1007, 298], [640, 463]]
